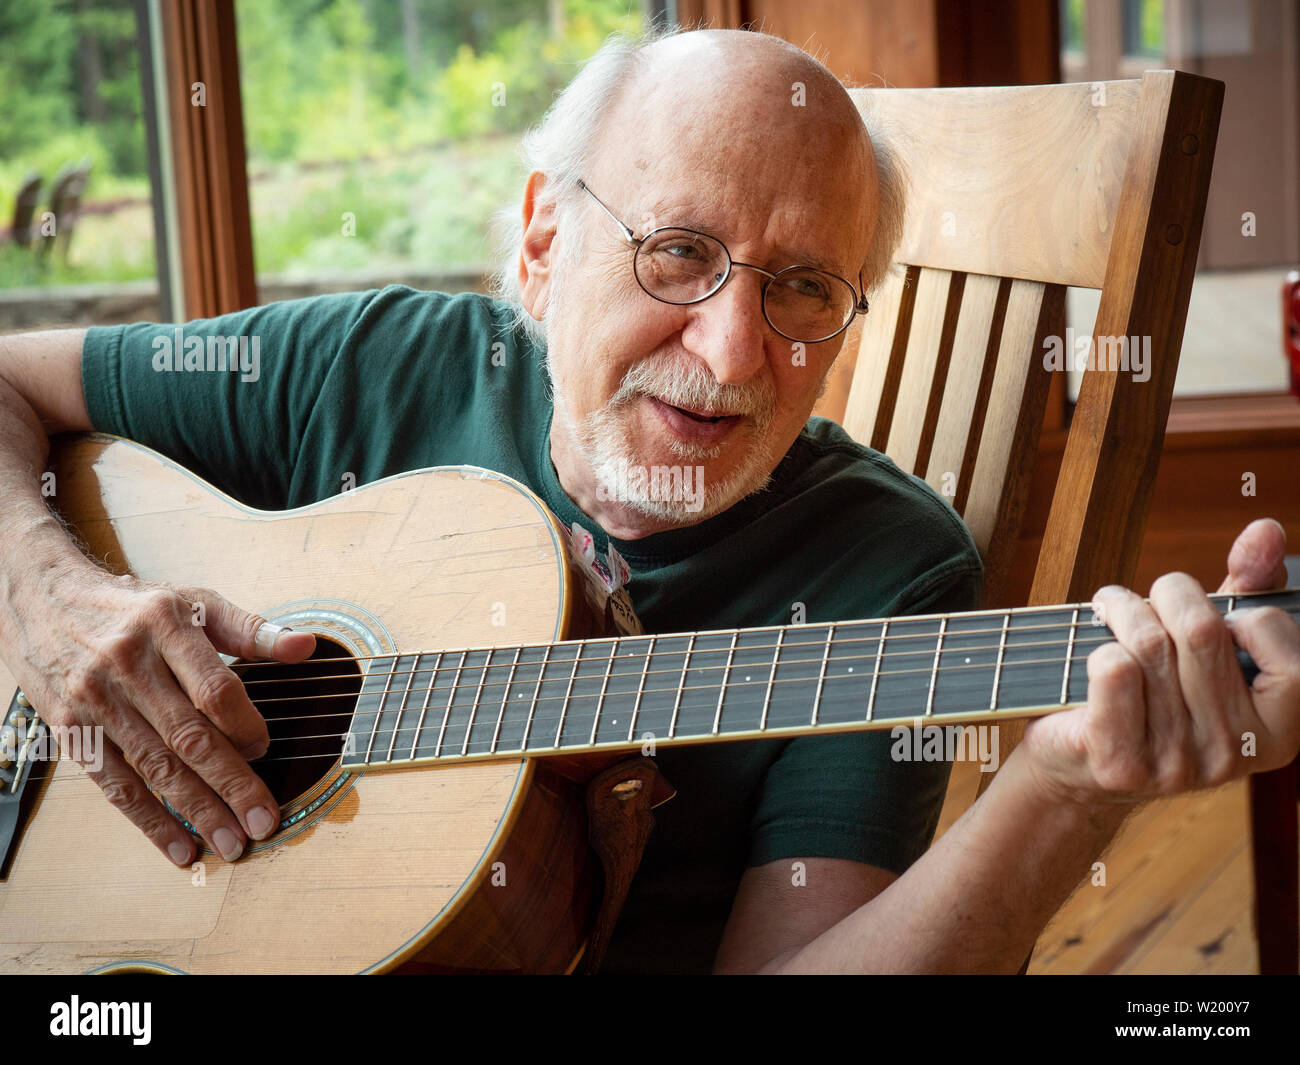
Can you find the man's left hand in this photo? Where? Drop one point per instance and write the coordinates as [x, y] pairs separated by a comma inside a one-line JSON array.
[[1168, 707]]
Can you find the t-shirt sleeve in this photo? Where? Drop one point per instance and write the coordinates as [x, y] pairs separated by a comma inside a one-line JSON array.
[[229, 398], [844, 796]]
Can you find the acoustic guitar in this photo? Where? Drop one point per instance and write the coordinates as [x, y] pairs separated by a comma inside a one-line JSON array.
[[431, 759]]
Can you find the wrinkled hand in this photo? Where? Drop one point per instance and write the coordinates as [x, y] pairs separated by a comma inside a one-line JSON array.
[[1168, 707], [126, 655]]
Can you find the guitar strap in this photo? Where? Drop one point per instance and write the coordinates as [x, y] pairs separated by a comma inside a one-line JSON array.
[[621, 797], [619, 821]]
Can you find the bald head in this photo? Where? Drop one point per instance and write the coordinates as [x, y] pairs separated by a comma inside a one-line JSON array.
[[749, 110]]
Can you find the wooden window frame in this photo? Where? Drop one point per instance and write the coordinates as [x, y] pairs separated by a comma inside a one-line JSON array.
[[207, 157]]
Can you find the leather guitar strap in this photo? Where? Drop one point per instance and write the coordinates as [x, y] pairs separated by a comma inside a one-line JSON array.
[[619, 822]]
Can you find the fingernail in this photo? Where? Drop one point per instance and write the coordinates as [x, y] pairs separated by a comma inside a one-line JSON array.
[[1239, 613], [178, 852], [227, 844], [264, 638], [1099, 599], [260, 822]]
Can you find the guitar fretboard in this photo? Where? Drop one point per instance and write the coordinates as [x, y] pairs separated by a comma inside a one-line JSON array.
[[620, 693]]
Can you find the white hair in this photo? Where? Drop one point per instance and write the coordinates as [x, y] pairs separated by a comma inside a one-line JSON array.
[[560, 146]]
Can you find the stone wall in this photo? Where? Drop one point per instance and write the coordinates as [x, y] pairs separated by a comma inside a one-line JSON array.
[[113, 303]]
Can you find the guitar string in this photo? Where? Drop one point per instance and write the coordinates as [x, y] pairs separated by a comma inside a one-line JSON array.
[[449, 670], [897, 619], [547, 720], [838, 642], [461, 686], [543, 719]]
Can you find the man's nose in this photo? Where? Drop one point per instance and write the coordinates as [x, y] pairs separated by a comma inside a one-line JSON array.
[[728, 330]]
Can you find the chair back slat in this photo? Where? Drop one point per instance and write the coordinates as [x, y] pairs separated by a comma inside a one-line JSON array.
[[1012, 419], [961, 399], [965, 393], [925, 368], [878, 365]]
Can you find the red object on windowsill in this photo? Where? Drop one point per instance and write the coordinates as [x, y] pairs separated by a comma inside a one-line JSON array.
[[1291, 326]]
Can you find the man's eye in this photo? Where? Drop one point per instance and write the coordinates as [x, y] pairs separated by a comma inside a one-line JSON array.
[[683, 251], [808, 286]]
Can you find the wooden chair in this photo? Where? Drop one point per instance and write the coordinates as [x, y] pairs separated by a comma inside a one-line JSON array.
[[65, 204], [1014, 194], [23, 232]]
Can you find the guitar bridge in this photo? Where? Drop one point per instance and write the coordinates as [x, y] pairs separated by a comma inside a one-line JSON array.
[[20, 736]]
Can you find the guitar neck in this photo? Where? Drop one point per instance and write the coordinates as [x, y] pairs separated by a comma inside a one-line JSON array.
[[631, 692]]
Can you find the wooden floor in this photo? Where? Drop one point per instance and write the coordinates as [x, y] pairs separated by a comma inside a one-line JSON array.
[[1177, 897]]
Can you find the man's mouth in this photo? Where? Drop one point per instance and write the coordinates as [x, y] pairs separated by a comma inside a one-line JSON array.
[[706, 428], [705, 416]]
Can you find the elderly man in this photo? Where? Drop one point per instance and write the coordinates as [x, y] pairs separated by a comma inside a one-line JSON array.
[[702, 217]]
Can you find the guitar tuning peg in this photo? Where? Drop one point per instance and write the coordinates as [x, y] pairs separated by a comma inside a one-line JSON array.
[[22, 699]]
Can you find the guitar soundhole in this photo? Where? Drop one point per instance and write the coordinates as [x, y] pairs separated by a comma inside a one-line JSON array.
[[308, 707]]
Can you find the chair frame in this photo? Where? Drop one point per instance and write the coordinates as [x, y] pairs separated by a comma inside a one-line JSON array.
[[1015, 193]]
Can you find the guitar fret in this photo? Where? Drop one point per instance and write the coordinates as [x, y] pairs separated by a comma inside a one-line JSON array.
[[473, 710], [875, 673], [636, 706], [537, 691], [428, 693], [821, 677], [934, 670], [568, 692], [379, 714], [505, 696], [686, 663], [726, 675], [406, 694], [604, 685], [1069, 655], [997, 673], [451, 694], [767, 696]]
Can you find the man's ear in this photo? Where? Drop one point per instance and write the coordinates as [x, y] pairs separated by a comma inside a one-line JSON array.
[[535, 274]]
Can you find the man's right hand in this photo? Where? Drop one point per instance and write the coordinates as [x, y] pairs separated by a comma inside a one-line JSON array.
[[126, 656]]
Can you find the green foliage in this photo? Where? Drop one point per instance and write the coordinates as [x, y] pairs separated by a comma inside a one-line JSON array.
[[35, 73], [404, 112], [427, 209]]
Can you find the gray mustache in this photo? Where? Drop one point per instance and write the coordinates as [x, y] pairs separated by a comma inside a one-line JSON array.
[[694, 392]]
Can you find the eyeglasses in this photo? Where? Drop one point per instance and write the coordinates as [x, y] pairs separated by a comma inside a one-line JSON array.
[[684, 266]]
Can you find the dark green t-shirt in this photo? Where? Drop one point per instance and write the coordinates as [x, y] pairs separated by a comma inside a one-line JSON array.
[[377, 383]]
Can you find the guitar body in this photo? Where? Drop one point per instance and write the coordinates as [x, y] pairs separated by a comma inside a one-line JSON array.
[[482, 867]]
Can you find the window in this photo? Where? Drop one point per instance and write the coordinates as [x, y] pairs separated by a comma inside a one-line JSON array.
[[75, 196], [382, 135], [1144, 28], [1073, 18]]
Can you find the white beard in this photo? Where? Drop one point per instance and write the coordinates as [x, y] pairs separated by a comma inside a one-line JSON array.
[[603, 440]]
